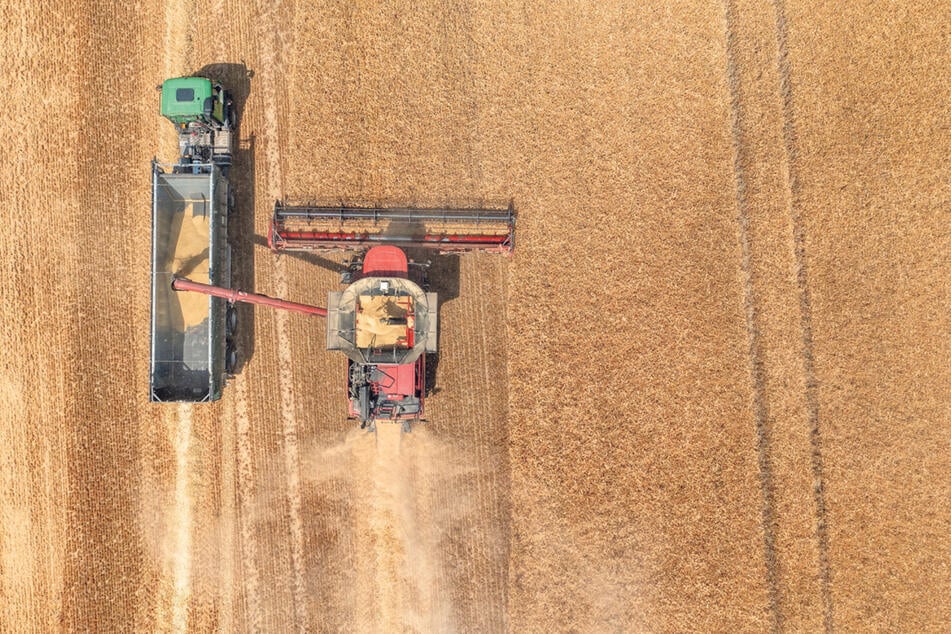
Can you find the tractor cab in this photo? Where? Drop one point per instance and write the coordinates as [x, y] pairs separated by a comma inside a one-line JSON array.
[[203, 114], [188, 100]]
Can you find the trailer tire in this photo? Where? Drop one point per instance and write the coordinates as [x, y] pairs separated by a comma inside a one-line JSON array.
[[231, 357], [231, 320]]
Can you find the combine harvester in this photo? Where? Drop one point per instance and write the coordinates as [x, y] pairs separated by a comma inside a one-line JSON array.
[[385, 321]]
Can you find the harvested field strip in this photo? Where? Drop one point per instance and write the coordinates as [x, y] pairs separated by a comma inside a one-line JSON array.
[[101, 254], [401, 560], [177, 55], [286, 382], [247, 511], [290, 448], [181, 522], [227, 530], [469, 416]]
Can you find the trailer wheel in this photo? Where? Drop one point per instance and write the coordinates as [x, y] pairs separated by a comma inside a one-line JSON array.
[[231, 357], [231, 320]]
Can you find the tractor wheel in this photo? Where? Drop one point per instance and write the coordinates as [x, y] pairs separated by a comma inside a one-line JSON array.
[[231, 357]]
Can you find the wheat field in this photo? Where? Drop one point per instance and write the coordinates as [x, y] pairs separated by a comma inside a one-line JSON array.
[[708, 392]]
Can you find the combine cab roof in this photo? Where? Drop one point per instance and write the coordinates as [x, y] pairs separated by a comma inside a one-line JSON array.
[[183, 98]]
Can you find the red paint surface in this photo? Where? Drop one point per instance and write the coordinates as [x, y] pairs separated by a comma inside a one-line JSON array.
[[385, 260], [400, 380]]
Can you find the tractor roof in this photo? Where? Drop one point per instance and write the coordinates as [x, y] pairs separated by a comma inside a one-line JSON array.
[[184, 96]]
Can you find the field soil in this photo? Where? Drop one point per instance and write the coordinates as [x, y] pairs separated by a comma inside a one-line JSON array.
[[708, 392]]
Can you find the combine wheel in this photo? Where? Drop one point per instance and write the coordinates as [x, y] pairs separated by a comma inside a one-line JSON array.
[[231, 357]]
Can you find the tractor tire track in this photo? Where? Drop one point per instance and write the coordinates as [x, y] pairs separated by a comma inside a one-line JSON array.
[[760, 412], [780, 354], [805, 307]]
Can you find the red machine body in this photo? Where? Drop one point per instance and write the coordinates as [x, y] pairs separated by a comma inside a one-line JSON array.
[[391, 386], [384, 322]]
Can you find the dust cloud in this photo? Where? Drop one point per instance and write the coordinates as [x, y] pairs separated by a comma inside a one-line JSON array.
[[406, 500]]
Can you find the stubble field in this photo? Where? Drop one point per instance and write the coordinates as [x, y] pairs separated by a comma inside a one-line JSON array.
[[709, 392]]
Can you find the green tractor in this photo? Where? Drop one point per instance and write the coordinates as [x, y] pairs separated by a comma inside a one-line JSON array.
[[204, 114]]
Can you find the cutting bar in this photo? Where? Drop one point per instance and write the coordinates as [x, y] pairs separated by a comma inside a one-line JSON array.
[[309, 227]]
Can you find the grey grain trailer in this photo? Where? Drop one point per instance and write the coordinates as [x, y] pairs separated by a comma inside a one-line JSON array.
[[192, 348]]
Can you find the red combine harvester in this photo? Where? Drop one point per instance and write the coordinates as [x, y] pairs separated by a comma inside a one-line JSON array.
[[384, 321]]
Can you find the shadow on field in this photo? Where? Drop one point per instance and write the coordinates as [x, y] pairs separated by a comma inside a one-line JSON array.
[[236, 78], [443, 279], [241, 230], [304, 256]]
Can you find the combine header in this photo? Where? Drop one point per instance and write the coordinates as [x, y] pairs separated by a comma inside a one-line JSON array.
[[344, 226], [384, 321]]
